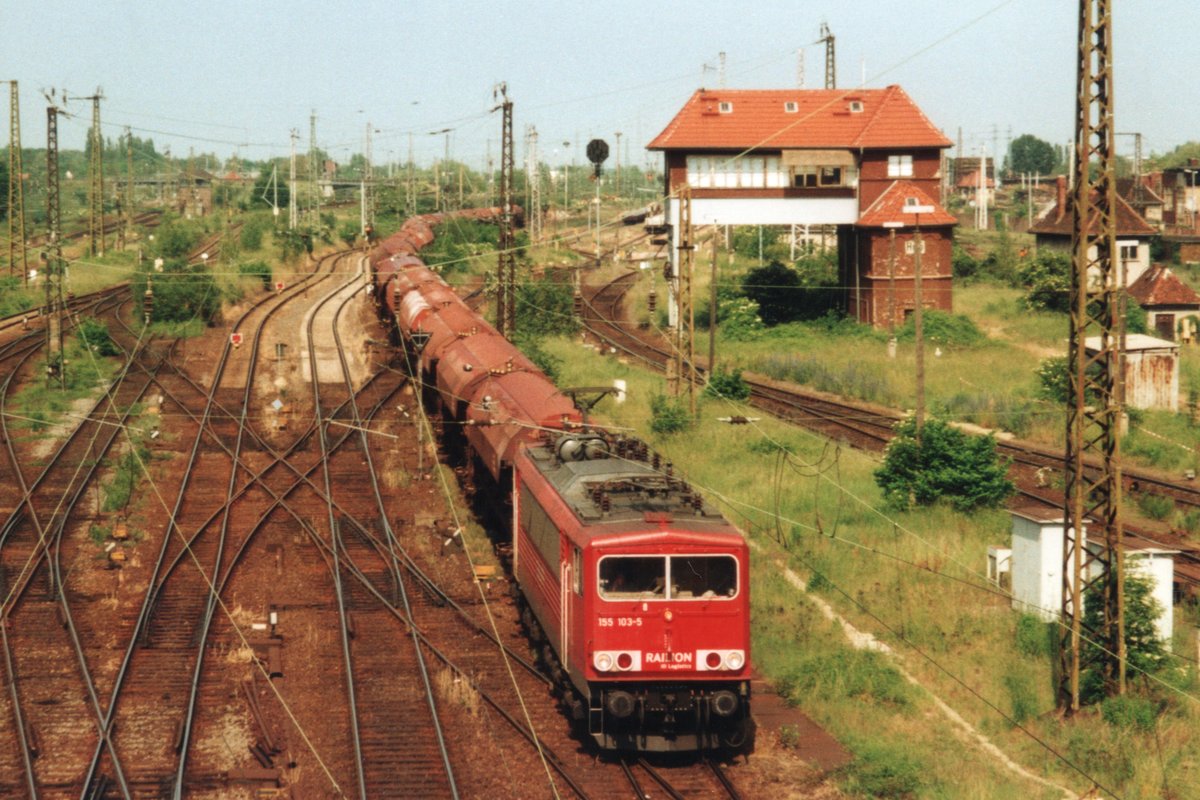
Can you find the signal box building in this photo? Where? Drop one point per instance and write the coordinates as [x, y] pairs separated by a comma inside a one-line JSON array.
[[855, 159]]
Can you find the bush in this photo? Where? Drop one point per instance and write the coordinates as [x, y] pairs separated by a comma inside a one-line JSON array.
[[784, 294], [182, 293], [727, 384], [545, 306], [1034, 637], [739, 319], [176, 239], [669, 415], [252, 233], [945, 463], [1047, 281], [257, 269], [1144, 651], [1021, 696], [942, 327], [1156, 506], [93, 334], [1127, 711], [885, 771], [531, 346]]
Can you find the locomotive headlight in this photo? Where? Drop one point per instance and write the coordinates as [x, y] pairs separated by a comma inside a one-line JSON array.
[[734, 659], [603, 662], [621, 704]]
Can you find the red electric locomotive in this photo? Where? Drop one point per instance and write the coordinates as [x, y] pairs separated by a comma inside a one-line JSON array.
[[640, 591], [636, 591]]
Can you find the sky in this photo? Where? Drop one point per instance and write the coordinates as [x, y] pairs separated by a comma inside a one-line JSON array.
[[224, 77]]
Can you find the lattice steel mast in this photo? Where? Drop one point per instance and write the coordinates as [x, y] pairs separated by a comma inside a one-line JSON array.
[[1094, 404], [16, 190], [685, 330], [95, 178], [533, 180], [53, 266], [506, 267], [828, 39]]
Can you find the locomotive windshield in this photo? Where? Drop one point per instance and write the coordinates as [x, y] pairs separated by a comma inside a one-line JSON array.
[[668, 577]]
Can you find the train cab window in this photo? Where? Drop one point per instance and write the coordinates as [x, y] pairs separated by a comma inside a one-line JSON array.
[[633, 577], [703, 577]]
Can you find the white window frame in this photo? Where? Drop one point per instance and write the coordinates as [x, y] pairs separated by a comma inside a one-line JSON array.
[[791, 107], [725, 107], [856, 106], [900, 166]]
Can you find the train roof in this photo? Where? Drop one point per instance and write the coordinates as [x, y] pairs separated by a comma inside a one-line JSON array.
[[624, 487]]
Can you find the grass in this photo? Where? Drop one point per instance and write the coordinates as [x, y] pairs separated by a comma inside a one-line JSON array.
[[914, 581]]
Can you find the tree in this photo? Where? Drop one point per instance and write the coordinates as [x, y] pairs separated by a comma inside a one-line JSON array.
[[944, 463], [1030, 154], [1144, 650], [775, 288], [1047, 281]]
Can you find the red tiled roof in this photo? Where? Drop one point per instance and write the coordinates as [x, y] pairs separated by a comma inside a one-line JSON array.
[[1127, 186], [889, 207], [888, 119], [1058, 221], [1158, 286], [971, 181]]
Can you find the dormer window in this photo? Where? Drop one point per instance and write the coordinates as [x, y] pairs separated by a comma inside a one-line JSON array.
[[791, 107], [856, 106], [725, 107], [911, 201]]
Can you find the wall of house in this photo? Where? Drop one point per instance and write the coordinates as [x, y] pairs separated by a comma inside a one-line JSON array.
[[875, 288], [873, 178]]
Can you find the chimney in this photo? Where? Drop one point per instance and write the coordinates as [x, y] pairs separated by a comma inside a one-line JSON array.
[[1061, 186]]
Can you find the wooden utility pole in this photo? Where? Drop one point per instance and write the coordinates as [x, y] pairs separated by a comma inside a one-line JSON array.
[[506, 266], [1093, 406], [918, 313], [891, 345], [16, 190], [712, 307]]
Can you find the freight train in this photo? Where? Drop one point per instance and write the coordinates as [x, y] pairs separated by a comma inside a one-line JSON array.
[[634, 590]]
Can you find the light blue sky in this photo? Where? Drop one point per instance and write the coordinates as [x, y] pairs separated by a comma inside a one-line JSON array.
[[215, 74]]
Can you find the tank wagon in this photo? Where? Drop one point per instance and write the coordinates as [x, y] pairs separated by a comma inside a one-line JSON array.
[[634, 590]]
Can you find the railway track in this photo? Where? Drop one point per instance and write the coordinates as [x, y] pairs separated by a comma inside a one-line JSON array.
[[42, 539], [869, 427]]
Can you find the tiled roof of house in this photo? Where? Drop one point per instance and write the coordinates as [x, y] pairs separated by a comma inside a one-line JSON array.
[[799, 118], [1058, 221], [889, 207], [1158, 286], [971, 181], [1126, 186]]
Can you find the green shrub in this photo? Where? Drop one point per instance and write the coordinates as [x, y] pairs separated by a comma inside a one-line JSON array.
[[93, 334], [945, 463], [941, 327], [881, 770], [1144, 651], [1156, 506], [727, 384], [252, 233], [1047, 281], [545, 306], [669, 415], [1034, 637], [1022, 697], [181, 293], [531, 346], [1127, 711], [257, 269], [739, 319]]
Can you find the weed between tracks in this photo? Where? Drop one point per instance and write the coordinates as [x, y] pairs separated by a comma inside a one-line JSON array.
[[913, 580], [456, 690]]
